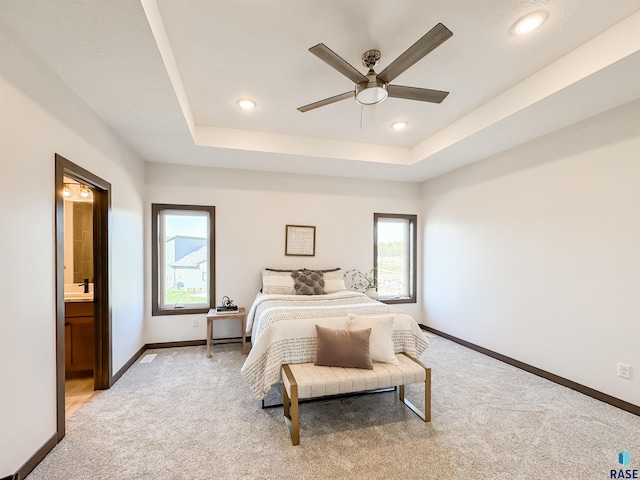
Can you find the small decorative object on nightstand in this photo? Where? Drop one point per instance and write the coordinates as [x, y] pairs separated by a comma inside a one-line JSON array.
[[239, 314], [227, 306]]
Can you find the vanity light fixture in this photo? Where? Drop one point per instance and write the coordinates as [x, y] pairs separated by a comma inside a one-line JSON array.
[[399, 125], [246, 104], [76, 192], [84, 192], [529, 22]]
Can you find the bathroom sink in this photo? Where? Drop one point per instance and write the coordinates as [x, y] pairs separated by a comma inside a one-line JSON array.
[[78, 296], [74, 292]]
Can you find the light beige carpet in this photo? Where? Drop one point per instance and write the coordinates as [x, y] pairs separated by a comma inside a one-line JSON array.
[[184, 416]]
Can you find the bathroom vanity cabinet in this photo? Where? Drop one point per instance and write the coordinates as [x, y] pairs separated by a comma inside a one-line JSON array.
[[79, 338]]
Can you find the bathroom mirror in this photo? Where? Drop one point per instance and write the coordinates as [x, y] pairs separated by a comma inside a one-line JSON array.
[[78, 232]]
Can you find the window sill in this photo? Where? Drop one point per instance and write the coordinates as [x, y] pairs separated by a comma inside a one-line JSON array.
[[179, 311], [392, 300]]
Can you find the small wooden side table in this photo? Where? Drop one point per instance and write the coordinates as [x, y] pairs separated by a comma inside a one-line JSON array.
[[241, 314]]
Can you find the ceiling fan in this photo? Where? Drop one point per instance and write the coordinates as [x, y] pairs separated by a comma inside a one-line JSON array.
[[374, 88]]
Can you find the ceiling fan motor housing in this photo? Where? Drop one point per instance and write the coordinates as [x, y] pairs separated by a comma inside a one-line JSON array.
[[370, 58]]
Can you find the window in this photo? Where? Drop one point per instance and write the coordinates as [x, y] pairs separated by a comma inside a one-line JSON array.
[[182, 249], [394, 256]]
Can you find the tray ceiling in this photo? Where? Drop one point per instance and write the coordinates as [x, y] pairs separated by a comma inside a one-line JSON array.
[[166, 75]]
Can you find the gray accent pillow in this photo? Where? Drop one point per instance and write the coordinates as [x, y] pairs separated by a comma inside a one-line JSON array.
[[343, 348], [308, 282]]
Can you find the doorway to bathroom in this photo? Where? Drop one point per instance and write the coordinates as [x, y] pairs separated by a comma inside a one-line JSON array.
[[83, 323]]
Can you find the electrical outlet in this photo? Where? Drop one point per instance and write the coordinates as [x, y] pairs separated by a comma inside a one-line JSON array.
[[624, 370], [194, 322]]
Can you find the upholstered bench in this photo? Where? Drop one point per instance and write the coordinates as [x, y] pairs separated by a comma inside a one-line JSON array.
[[307, 380]]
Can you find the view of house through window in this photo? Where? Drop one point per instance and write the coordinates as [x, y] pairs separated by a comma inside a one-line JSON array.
[[395, 256], [183, 236]]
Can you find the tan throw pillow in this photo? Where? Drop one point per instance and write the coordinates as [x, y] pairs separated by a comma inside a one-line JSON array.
[[381, 342], [343, 348]]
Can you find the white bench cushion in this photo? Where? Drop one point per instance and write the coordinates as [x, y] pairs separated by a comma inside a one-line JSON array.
[[314, 381]]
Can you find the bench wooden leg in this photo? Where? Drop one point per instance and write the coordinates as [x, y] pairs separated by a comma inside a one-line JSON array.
[[427, 396], [290, 406], [426, 415]]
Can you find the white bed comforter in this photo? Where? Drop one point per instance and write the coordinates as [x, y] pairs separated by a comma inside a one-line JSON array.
[[283, 331]]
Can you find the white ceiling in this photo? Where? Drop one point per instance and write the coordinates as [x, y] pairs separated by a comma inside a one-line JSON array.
[[166, 74]]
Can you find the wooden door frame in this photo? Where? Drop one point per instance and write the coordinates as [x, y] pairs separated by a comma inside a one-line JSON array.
[[102, 372]]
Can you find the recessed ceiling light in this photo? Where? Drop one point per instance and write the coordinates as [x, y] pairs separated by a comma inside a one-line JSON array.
[[399, 125], [529, 22], [246, 104]]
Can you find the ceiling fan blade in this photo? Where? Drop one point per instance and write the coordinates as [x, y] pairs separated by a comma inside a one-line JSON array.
[[330, 57], [415, 52], [327, 101], [414, 93]]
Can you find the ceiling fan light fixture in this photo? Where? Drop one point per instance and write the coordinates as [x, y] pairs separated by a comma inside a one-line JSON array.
[[246, 104], [372, 92], [529, 22]]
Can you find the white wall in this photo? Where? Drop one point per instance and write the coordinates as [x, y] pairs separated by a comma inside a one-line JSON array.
[[535, 253], [252, 209], [41, 117]]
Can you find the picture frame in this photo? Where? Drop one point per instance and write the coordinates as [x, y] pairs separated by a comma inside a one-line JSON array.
[[300, 240]]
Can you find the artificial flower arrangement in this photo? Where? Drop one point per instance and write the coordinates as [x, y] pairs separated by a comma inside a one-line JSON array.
[[361, 281]]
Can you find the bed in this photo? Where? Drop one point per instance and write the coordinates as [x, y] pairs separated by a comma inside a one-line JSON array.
[[282, 327]]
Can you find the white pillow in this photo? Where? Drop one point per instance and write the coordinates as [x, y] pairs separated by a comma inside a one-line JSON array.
[[278, 282], [381, 340], [333, 281]]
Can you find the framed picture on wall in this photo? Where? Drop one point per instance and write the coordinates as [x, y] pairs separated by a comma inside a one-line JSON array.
[[300, 240]]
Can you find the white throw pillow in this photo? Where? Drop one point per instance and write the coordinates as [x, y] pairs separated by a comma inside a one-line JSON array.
[[334, 281], [280, 282], [381, 340]]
